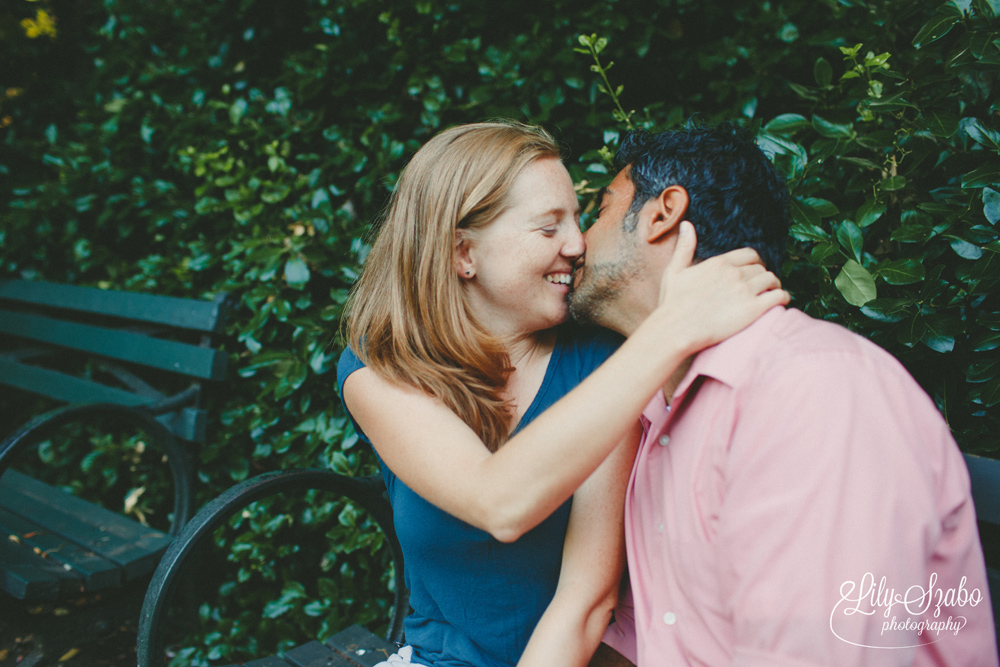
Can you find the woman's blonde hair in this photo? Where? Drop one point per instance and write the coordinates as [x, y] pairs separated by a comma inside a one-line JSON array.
[[407, 317]]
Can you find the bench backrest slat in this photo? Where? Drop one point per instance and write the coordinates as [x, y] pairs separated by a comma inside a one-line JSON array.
[[204, 316], [168, 355], [64, 388]]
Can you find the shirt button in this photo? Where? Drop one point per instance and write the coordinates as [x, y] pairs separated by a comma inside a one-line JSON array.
[[659, 528], [664, 440], [670, 618]]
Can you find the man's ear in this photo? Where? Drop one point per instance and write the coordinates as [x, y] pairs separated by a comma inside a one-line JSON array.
[[669, 209], [464, 265]]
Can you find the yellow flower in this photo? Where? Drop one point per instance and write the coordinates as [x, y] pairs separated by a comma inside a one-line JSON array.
[[42, 24]]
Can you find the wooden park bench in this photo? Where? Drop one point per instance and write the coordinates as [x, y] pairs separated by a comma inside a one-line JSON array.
[[355, 646], [106, 358]]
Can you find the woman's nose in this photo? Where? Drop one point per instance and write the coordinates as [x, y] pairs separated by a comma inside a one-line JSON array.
[[574, 245]]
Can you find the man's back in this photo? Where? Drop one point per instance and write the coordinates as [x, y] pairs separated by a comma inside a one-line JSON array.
[[800, 477]]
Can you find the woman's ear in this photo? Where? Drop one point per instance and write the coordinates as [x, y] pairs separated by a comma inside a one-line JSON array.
[[464, 266], [669, 210]]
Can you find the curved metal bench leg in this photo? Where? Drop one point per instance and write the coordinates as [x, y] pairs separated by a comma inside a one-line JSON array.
[[180, 470], [368, 492]]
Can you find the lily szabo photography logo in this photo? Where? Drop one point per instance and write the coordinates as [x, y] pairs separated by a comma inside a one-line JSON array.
[[915, 617]]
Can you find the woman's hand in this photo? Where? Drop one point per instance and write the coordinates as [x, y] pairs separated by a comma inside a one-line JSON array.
[[706, 302]]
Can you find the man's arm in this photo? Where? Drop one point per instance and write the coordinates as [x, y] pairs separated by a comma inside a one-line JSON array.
[[835, 473]]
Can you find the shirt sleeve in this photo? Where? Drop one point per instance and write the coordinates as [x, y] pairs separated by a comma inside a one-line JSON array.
[[838, 491], [347, 364]]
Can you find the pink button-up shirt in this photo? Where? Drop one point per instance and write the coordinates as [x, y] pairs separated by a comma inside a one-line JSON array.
[[793, 507]]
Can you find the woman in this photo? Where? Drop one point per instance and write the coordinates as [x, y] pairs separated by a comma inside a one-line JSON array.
[[457, 348]]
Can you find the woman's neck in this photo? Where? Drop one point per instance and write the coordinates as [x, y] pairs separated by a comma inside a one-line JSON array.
[[529, 358], [524, 349]]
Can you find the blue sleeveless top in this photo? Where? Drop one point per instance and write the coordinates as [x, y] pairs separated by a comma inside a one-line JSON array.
[[476, 600]]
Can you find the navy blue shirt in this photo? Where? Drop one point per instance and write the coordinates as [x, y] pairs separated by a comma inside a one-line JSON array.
[[476, 600]]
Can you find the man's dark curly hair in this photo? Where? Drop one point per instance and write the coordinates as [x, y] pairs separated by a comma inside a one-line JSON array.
[[737, 197]]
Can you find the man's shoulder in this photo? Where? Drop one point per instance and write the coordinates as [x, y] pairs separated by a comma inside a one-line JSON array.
[[787, 342]]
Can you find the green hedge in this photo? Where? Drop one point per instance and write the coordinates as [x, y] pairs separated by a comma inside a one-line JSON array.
[[185, 147]]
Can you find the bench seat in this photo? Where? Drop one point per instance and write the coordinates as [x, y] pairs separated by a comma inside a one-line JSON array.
[[352, 647], [55, 544]]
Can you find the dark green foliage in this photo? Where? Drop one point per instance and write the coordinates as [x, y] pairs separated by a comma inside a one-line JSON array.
[[186, 147]]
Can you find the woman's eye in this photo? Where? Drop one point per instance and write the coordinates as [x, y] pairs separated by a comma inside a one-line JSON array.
[[548, 231]]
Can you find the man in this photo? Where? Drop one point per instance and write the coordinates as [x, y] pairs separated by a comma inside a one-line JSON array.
[[797, 499]]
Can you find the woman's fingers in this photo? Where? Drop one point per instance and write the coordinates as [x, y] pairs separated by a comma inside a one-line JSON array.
[[683, 255]]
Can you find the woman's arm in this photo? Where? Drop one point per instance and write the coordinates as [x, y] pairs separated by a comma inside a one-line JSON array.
[[510, 491], [593, 561]]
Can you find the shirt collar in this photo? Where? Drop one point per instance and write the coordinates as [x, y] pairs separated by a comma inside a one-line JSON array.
[[731, 361], [657, 406]]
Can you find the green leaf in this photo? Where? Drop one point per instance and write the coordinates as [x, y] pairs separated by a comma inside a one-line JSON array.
[[788, 33], [891, 103], [822, 72], [988, 174], [909, 334], [989, 395], [856, 284], [803, 214], [824, 253], [983, 371], [901, 271], [986, 341], [887, 310], [808, 232], [893, 183], [277, 608], [966, 250], [861, 162], [787, 124], [991, 205], [275, 193], [941, 331], [877, 61], [851, 239], [869, 212], [989, 320], [296, 272], [938, 342], [941, 124], [831, 130], [237, 110], [825, 208], [936, 28], [983, 135]]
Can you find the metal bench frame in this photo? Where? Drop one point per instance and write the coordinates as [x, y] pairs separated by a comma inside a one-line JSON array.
[[367, 492]]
